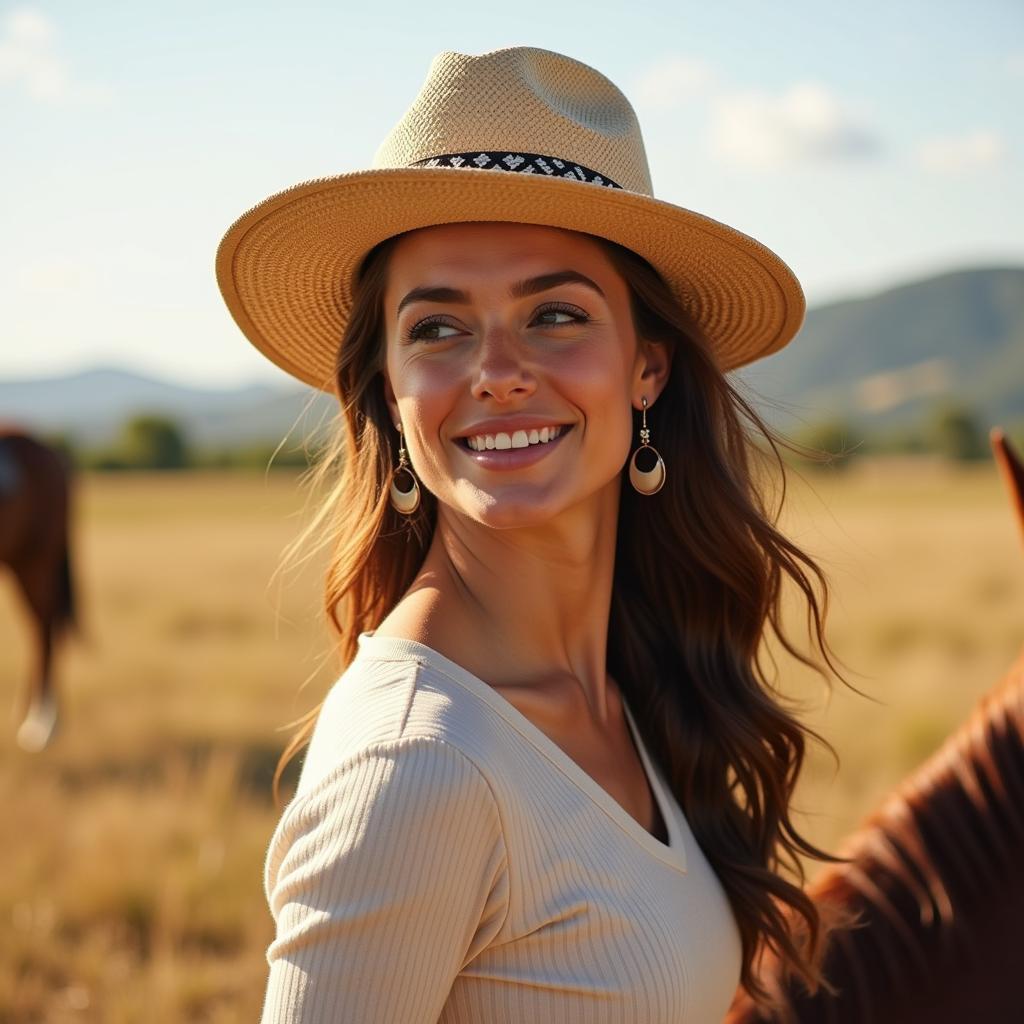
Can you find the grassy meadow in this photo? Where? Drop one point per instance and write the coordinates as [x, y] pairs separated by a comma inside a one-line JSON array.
[[131, 872]]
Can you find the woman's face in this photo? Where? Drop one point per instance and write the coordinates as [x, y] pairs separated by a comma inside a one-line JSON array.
[[495, 333]]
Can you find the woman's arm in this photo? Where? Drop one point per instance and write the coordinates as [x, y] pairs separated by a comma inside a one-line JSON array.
[[385, 880]]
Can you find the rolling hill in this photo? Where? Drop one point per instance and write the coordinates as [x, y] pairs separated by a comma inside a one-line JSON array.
[[91, 406], [881, 360]]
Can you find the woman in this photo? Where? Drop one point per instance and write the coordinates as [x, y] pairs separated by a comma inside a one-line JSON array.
[[552, 782]]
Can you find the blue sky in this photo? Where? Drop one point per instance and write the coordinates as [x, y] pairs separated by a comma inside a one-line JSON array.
[[867, 144]]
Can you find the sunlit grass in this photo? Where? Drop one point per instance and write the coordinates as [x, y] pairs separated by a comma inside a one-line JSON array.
[[131, 876]]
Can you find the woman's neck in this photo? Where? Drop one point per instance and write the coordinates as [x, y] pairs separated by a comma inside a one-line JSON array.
[[520, 606]]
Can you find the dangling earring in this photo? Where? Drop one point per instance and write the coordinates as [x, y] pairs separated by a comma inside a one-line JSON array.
[[646, 467], [405, 500]]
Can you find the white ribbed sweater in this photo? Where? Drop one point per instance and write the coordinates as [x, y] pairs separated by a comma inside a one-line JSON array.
[[444, 860]]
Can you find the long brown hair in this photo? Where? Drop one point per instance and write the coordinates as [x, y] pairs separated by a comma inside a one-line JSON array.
[[699, 572]]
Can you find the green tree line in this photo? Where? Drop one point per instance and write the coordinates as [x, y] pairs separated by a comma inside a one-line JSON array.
[[156, 442], [950, 430]]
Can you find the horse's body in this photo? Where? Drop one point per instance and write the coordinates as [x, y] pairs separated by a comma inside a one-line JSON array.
[[936, 874], [34, 544]]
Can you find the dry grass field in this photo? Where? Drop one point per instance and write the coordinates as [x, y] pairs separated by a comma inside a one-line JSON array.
[[130, 872]]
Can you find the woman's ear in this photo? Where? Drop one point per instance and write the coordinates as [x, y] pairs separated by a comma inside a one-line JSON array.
[[653, 363]]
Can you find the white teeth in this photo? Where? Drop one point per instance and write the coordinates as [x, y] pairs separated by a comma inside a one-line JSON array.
[[518, 439]]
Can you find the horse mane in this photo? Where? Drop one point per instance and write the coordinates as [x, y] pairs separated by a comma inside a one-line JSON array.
[[932, 880], [933, 844]]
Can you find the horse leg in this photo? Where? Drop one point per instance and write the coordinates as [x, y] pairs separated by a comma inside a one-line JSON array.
[[37, 582]]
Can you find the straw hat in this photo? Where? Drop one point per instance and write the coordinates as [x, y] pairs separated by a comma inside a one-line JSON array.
[[567, 149]]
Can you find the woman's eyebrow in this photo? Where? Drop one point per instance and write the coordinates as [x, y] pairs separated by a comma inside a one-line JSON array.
[[543, 282], [519, 290]]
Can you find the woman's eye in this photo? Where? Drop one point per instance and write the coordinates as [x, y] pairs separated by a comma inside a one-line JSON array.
[[571, 316], [422, 331], [556, 312]]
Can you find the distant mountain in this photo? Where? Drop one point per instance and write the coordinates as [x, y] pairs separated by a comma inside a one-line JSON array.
[[91, 407], [879, 361]]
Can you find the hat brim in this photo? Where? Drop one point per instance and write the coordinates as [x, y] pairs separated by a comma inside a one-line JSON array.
[[286, 268]]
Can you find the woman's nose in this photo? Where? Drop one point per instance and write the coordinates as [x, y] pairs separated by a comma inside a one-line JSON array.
[[501, 371]]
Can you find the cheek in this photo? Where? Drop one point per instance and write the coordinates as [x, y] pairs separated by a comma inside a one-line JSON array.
[[598, 383], [425, 400], [599, 388], [423, 389], [417, 375]]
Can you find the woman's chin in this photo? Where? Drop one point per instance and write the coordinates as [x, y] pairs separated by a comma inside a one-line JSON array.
[[507, 508]]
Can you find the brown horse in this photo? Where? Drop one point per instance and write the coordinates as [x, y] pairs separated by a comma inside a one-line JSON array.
[[936, 877], [34, 544]]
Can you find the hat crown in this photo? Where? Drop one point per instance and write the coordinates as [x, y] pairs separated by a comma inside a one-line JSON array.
[[521, 99]]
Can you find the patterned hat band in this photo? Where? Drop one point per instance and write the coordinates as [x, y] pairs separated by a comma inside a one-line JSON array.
[[523, 163]]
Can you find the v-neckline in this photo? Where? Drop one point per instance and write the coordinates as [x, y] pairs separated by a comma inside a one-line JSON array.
[[673, 854]]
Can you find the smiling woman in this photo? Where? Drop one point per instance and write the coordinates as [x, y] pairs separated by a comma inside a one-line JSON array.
[[552, 781]]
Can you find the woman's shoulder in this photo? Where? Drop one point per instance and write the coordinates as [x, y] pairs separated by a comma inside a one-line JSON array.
[[395, 703]]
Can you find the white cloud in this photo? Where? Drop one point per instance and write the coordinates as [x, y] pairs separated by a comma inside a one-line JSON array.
[[671, 82], [954, 153], [29, 58], [805, 123]]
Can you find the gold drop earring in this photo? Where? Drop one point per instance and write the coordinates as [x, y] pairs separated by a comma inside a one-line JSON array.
[[646, 467], [404, 499]]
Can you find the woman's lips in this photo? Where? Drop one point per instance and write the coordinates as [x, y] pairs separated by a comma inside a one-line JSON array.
[[513, 458]]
